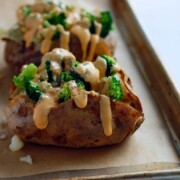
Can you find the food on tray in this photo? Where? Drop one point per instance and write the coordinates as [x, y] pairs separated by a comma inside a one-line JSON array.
[[67, 103], [16, 143], [26, 159], [46, 25]]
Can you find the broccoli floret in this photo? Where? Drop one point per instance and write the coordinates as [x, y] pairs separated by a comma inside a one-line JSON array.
[[33, 91], [115, 90], [106, 21], [49, 72], [55, 19], [65, 92], [78, 78], [26, 75], [92, 20], [110, 62], [65, 77], [75, 75], [46, 24], [76, 64], [80, 83], [62, 78], [26, 11]]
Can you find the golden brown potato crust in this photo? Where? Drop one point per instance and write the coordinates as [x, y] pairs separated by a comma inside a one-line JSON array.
[[70, 126]]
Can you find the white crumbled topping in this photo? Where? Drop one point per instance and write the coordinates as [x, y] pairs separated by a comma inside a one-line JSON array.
[[26, 159], [16, 143], [2, 136]]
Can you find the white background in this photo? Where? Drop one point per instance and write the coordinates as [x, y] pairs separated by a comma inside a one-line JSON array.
[[160, 20]]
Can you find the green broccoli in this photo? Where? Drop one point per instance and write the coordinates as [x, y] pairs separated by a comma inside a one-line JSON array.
[[110, 62], [26, 75], [65, 77], [55, 19], [78, 78], [115, 90], [92, 20], [65, 92], [49, 72], [62, 78], [46, 24], [33, 91], [80, 83], [76, 64], [26, 11], [106, 21]]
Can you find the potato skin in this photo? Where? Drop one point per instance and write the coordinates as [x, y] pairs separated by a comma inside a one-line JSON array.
[[70, 126], [16, 54]]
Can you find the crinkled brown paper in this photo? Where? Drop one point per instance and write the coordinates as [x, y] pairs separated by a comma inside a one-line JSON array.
[[151, 143]]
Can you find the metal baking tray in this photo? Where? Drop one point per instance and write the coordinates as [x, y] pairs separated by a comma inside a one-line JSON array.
[[151, 68], [165, 95]]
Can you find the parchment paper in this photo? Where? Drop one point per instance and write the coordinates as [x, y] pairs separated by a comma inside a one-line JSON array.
[[151, 143]]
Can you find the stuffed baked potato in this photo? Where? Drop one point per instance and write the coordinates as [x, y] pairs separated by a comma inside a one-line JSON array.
[[67, 103], [46, 25]]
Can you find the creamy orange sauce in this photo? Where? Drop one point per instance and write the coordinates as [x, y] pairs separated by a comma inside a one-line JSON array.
[[42, 110], [80, 97], [55, 67], [56, 55], [93, 93], [64, 41], [64, 37], [41, 6], [73, 18], [93, 45], [76, 23], [101, 64], [85, 22], [20, 15], [28, 37], [89, 73], [84, 36], [38, 7], [116, 67], [46, 43], [33, 20], [105, 89], [106, 115], [98, 28], [32, 23]]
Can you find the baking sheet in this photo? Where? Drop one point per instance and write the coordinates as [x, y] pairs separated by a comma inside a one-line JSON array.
[[151, 143]]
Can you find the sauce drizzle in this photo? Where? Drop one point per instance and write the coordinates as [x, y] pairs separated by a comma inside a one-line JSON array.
[[84, 36], [106, 115], [42, 110]]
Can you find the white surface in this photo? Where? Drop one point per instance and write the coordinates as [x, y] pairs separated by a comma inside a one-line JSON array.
[[160, 22]]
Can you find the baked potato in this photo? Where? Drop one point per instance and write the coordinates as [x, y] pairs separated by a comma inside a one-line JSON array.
[[46, 25], [67, 103]]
